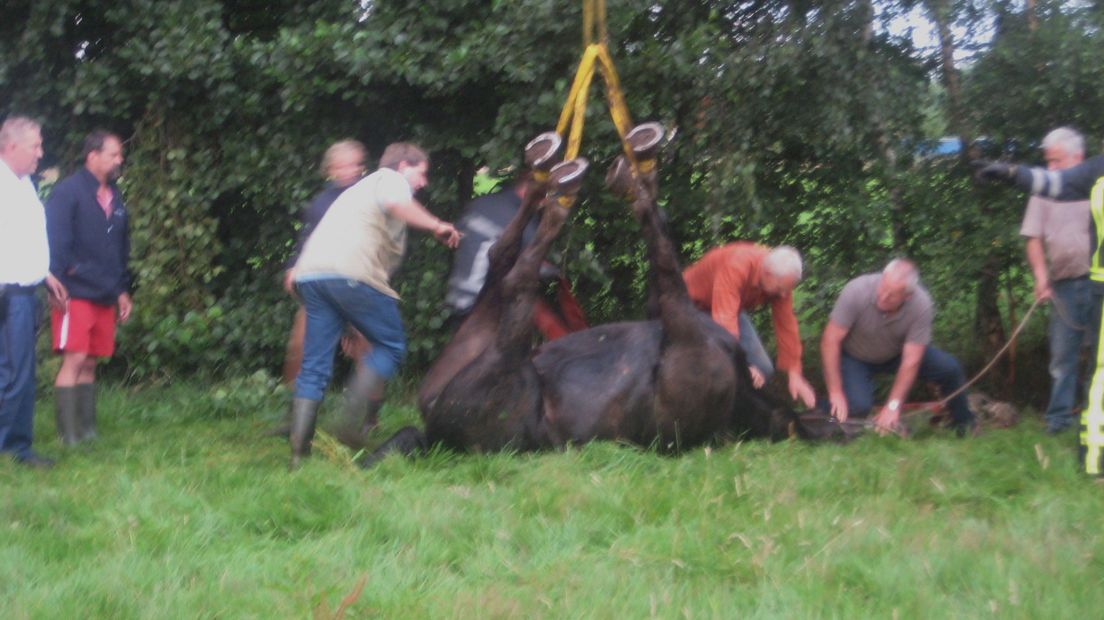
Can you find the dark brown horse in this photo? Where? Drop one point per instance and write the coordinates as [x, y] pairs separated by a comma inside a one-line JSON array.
[[676, 381]]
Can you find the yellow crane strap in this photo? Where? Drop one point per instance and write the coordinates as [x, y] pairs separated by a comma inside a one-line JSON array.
[[596, 56]]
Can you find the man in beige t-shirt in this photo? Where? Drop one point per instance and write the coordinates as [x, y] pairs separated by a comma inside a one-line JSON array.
[[1058, 233], [343, 276]]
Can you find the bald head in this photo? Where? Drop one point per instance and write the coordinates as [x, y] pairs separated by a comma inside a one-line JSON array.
[[899, 280]]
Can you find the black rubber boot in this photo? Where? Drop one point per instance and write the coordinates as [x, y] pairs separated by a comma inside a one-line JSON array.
[[65, 399], [363, 400], [304, 414], [86, 411]]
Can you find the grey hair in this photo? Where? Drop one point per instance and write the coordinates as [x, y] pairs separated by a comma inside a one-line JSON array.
[[904, 269], [1067, 139], [15, 128], [783, 261], [340, 147]]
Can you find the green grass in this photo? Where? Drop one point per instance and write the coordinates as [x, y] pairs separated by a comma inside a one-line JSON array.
[[181, 510]]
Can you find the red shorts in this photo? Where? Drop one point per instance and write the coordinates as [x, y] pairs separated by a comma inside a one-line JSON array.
[[84, 327]]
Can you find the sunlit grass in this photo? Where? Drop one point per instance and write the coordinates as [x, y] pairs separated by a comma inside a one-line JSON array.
[[182, 509]]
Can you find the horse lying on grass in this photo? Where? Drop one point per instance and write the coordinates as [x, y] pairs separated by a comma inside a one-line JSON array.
[[674, 382]]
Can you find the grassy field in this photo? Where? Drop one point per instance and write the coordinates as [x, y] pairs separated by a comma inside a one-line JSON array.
[[180, 510]]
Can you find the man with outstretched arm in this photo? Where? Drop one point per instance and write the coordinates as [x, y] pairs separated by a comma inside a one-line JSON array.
[[343, 277], [881, 324], [1085, 180], [1058, 247]]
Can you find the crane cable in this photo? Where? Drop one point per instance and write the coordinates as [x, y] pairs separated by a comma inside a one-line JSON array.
[[596, 57]]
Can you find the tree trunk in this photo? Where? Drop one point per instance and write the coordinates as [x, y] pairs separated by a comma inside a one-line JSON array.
[[987, 311], [888, 155], [940, 11], [465, 181], [987, 318]]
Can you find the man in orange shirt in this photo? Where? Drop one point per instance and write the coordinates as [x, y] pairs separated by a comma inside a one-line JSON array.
[[733, 279]]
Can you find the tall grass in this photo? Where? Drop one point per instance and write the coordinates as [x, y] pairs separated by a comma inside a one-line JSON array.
[[182, 510]]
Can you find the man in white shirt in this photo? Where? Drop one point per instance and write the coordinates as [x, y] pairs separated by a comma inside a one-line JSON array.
[[24, 264], [343, 276]]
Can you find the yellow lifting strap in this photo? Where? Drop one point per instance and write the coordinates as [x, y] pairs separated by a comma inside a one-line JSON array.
[[596, 56]]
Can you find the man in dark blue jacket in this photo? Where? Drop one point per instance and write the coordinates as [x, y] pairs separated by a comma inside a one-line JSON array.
[[89, 252], [480, 225]]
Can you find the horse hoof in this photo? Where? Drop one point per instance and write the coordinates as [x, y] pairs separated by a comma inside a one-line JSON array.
[[644, 140], [541, 152], [567, 176]]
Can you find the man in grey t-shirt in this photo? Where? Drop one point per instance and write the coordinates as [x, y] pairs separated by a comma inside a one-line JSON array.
[[1058, 233], [881, 324]]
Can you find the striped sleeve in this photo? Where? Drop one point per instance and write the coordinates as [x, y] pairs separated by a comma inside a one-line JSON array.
[[1070, 184]]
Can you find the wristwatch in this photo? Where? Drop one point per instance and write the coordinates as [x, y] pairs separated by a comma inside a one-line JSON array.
[[893, 405]]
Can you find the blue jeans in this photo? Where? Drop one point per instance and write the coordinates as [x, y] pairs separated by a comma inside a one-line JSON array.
[[1072, 326], [753, 347], [330, 304], [17, 374], [937, 366]]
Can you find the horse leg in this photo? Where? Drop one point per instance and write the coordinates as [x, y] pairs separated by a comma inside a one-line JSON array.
[[477, 331], [493, 400], [695, 379], [408, 441], [521, 285]]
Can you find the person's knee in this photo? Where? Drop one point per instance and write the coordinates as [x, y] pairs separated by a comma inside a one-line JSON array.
[[942, 367], [74, 359], [1059, 368], [385, 358]]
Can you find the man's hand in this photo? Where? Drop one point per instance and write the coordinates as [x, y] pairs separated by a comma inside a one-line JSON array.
[[757, 378], [993, 170], [1043, 290], [289, 282], [887, 420], [839, 405], [125, 306], [801, 390], [447, 234], [57, 296]]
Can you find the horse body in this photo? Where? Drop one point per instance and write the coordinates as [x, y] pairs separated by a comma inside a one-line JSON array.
[[676, 381]]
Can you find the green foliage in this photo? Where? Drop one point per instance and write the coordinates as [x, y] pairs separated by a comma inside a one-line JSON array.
[[1056, 70], [793, 123], [182, 510]]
